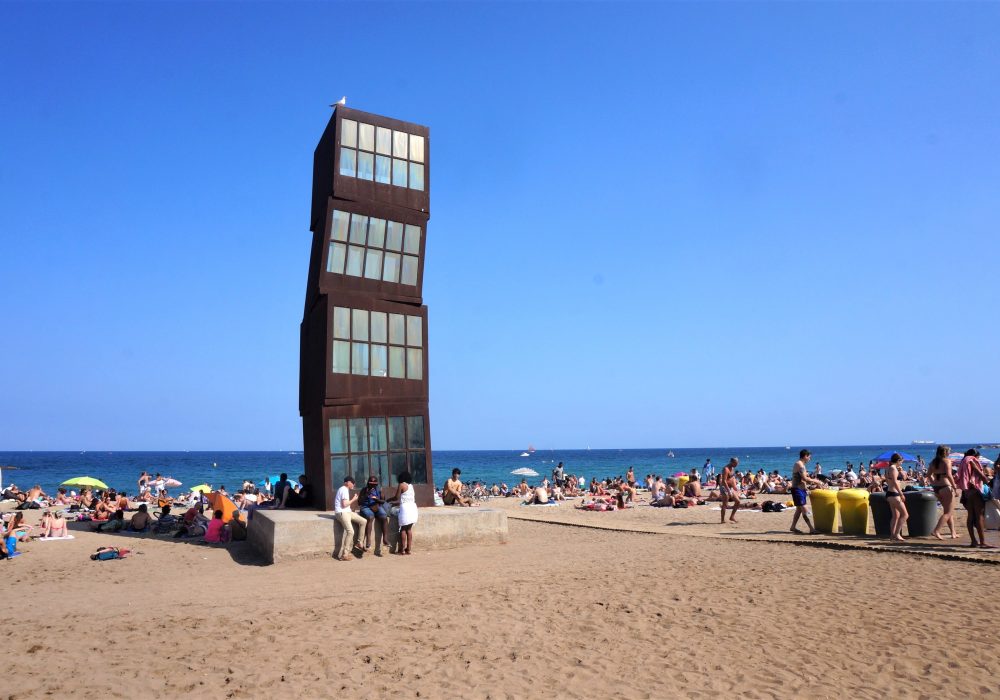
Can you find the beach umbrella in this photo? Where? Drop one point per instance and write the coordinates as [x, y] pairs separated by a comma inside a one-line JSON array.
[[85, 481], [202, 488], [886, 456], [958, 456], [525, 471], [171, 483]]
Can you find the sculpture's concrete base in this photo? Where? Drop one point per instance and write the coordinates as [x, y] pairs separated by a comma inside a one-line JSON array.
[[297, 534]]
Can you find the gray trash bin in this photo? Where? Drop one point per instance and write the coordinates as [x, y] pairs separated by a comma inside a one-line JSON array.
[[922, 509], [881, 514]]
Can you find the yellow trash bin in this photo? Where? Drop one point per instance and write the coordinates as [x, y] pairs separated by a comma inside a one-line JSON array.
[[681, 481], [824, 508], [853, 511]]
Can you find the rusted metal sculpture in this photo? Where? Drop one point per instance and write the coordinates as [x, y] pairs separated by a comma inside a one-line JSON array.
[[363, 350]]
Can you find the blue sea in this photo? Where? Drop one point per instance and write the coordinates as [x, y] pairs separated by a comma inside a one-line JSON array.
[[121, 470]]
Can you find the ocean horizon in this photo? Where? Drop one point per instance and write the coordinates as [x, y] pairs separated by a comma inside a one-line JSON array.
[[229, 468]]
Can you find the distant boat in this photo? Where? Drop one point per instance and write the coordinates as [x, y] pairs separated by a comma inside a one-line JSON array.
[[787, 447], [670, 454], [531, 448], [924, 442], [525, 454]]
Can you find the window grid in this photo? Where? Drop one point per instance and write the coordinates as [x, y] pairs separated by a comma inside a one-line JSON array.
[[377, 344], [382, 155], [380, 446], [373, 248]]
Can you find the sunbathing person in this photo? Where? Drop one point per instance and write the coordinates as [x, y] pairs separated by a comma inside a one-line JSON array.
[[692, 489], [57, 528], [142, 520], [115, 523], [166, 522], [453, 491], [538, 497], [103, 508]]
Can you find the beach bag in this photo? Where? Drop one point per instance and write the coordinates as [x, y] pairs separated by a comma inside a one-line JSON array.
[[986, 491]]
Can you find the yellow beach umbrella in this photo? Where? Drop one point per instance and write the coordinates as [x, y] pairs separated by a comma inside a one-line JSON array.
[[202, 488], [85, 481]]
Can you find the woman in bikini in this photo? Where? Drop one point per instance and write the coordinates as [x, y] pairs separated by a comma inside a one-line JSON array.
[[894, 495], [943, 483]]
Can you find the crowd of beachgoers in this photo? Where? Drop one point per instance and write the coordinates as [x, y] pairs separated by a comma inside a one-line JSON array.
[[205, 514], [217, 516]]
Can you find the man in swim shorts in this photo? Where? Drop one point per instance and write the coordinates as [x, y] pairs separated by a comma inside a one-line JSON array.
[[800, 479], [453, 490]]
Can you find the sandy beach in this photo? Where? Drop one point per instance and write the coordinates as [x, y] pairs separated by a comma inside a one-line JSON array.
[[559, 611]]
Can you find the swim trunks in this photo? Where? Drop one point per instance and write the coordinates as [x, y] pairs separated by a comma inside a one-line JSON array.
[[799, 496]]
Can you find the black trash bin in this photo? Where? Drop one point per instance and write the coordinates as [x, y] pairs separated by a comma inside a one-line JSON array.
[[921, 506], [881, 514]]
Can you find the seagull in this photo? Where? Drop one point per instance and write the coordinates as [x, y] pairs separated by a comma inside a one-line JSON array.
[[342, 102]]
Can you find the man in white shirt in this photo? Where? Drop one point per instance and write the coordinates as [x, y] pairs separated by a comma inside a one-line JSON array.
[[347, 518], [852, 478]]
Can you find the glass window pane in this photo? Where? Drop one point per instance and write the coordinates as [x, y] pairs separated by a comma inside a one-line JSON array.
[[383, 141], [376, 232], [397, 370], [338, 229], [394, 241], [382, 165], [335, 260], [380, 468], [397, 465], [366, 168], [366, 137], [417, 148], [411, 243], [379, 323], [359, 324], [391, 272], [416, 176], [341, 357], [414, 363], [338, 436], [400, 140], [349, 162], [398, 172], [380, 361], [341, 322], [338, 470], [373, 264], [397, 433], [348, 133], [355, 258], [359, 226], [359, 434], [418, 467], [409, 275], [415, 432], [397, 329], [379, 441], [359, 468], [414, 331], [359, 358]]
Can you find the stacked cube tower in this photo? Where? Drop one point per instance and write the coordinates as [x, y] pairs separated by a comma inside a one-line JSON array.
[[363, 376]]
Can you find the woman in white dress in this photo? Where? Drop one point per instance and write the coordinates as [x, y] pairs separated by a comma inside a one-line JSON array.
[[407, 515]]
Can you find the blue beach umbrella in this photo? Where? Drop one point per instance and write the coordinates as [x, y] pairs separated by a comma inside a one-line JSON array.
[[275, 478], [886, 456]]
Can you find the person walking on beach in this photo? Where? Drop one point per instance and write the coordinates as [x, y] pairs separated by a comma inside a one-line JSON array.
[[971, 478], [800, 480], [729, 489], [943, 483], [708, 471], [894, 496]]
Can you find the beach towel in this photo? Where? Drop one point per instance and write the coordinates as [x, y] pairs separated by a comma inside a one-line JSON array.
[[541, 505], [49, 539]]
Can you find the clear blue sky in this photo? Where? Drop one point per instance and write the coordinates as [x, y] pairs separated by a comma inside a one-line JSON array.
[[652, 225]]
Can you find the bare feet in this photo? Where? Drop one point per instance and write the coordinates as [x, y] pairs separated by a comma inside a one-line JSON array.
[[938, 535], [733, 520], [796, 530]]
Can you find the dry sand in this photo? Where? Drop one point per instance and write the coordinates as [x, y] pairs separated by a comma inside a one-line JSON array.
[[560, 611]]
